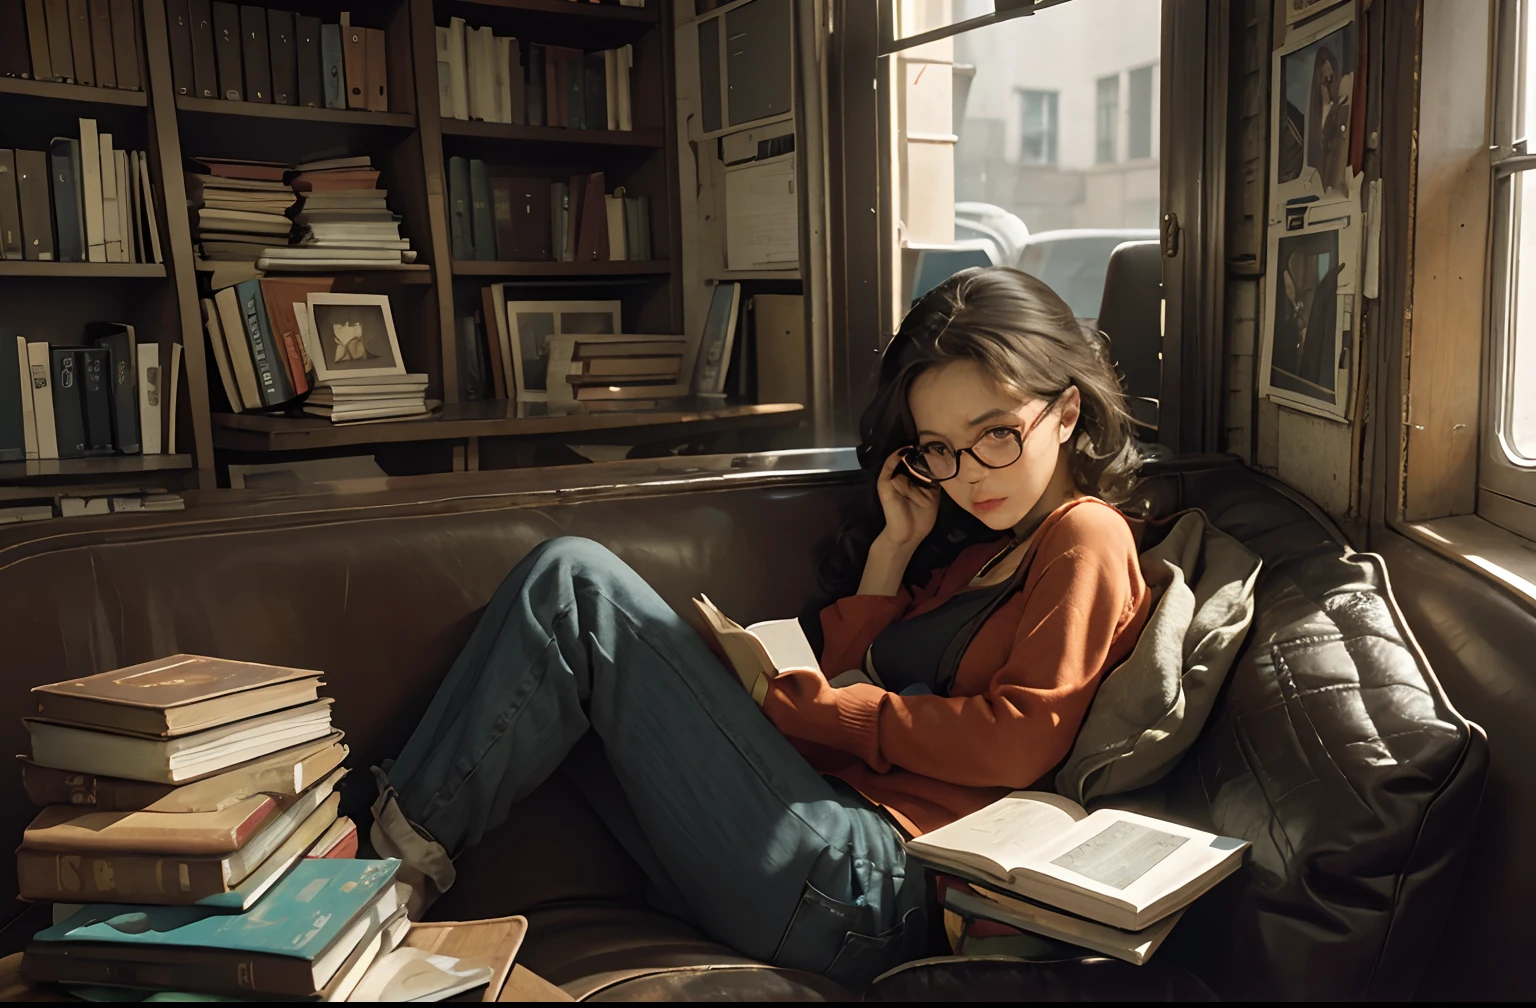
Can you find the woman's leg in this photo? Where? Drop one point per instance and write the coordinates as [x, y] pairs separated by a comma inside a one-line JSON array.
[[769, 857]]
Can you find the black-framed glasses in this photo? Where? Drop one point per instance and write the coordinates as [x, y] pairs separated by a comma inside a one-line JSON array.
[[997, 448]]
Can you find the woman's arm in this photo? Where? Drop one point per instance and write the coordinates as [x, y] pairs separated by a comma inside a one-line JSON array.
[[1025, 721]]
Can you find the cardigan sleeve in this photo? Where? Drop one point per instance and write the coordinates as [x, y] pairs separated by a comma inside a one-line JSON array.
[[1024, 722]]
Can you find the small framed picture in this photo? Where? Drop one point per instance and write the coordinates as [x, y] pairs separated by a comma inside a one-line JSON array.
[[531, 325], [1310, 309], [1310, 142], [352, 336], [713, 360]]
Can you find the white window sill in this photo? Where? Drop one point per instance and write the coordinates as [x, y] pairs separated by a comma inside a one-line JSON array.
[[1496, 553]]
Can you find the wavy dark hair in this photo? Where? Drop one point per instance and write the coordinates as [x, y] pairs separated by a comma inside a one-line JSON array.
[[1020, 332]]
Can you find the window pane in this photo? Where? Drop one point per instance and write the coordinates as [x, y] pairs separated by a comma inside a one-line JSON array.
[[1139, 100], [1031, 185], [1106, 119], [1520, 391]]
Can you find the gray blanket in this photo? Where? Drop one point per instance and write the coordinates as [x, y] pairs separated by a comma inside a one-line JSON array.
[[1151, 707]]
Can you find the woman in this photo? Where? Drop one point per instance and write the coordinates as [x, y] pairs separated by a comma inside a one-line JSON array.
[[995, 423]]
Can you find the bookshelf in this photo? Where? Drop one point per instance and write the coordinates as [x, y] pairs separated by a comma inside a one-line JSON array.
[[410, 144]]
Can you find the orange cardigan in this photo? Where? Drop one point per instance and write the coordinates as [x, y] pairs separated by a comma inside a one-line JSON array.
[[1020, 693]]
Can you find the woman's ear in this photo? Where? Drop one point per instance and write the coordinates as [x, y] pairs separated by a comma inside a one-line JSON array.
[[1070, 409]]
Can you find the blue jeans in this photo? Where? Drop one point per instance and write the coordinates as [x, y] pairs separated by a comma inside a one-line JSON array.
[[735, 829]]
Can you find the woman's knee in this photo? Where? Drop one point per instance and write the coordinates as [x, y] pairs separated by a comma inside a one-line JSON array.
[[577, 552]]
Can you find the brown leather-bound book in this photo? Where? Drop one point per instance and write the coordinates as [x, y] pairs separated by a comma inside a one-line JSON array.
[[283, 775], [354, 58], [10, 209], [378, 70], [37, 41], [125, 50], [194, 834], [306, 33], [528, 226], [60, 55], [174, 696], [493, 325], [592, 237], [36, 207], [284, 50], [578, 197], [80, 41], [99, 877], [280, 295], [102, 58], [556, 63]]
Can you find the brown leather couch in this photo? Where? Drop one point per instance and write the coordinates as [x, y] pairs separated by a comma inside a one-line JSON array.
[[1359, 834]]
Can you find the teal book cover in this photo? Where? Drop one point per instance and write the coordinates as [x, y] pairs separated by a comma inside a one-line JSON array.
[[300, 917]]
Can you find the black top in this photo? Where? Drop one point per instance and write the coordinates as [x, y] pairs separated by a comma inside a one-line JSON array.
[[907, 654]]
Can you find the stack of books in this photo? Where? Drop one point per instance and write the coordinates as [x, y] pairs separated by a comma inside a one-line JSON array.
[[343, 221], [190, 842], [637, 371], [184, 781], [360, 400], [239, 208]]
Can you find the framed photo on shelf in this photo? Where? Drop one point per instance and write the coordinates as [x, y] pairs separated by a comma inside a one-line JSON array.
[[531, 325], [1311, 305], [352, 336]]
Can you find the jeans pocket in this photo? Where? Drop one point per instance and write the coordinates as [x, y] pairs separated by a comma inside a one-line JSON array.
[[830, 937], [864, 957]]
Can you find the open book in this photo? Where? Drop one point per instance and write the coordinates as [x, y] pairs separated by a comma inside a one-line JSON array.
[[760, 650], [1119, 868]]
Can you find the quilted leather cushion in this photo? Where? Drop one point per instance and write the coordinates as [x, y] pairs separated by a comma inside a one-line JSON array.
[[1335, 752]]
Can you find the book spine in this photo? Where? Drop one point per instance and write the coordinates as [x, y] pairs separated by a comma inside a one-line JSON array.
[[148, 355], [122, 384], [444, 73], [41, 369], [270, 370], [94, 363], [102, 55], [482, 227], [459, 226], [14, 60], [68, 402], [10, 209], [24, 389], [533, 91], [80, 42], [37, 41], [13, 426], [354, 46], [517, 99], [378, 70], [60, 56], [254, 56], [216, 971], [47, 786], [226, 47], [306, 32], [36, 208], [458, 68], [331, 71], [125, 30], [284, 54]]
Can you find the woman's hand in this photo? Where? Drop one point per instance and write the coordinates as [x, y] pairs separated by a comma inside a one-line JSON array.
[[910, 506]]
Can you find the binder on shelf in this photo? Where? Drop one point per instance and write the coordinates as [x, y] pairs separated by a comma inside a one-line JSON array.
[[10, 208], [354, 48], [64, 176], [377, 71], [60, 54], [36, 212], [80, 42], [460, 229], [40, 367], [482, 230], [332, 74], [227, 47], [30, 443], [254, 55], [14, 59], [147, 360], [306, 34], [125, 45], [102, 57], [95, 369], [37, 41], [458, 64], [68, 401], [283, 48], [13, 421]]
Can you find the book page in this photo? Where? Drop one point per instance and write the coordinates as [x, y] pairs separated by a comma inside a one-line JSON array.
[[1133, 860], [785, 641], [1003, 835]]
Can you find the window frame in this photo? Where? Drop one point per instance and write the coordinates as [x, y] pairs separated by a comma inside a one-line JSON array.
[[1113, 133], [1506, 492], [1051, 103]]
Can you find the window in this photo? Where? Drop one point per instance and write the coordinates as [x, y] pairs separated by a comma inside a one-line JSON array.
[[1106, 118], [1037, 129], [1507, 474], [1139, 103]]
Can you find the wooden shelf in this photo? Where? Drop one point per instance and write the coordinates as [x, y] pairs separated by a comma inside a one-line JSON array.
[[648, 138], [38, 268], [494, 418], [109, 465], [619, 267], [610, 12], [296, 113], [71, 92]]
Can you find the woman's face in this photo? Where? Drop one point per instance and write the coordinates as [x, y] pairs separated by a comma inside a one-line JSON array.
[[958, 405]]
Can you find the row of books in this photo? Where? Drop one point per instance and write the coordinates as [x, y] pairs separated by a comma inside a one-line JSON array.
[[498, 216], [317, 215], [247, 53], [197, 797], [495, 78], [111, 396], [96, 43], [81, 503], [81, 200]]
